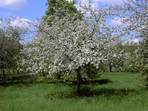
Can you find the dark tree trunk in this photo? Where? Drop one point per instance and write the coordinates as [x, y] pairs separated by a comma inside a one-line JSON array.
[[110, 67], [79, 78], [59, 76], [3, 76]]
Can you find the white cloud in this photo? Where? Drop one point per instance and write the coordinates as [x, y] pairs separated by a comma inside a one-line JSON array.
[[12, 3], [136, 40], [110, 2], [121, 21], [117, 21], [21, 23], [98, 3]]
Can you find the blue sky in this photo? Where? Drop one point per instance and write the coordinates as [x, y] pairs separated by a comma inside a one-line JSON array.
[[34, 9], [29, 9], [24, 11]]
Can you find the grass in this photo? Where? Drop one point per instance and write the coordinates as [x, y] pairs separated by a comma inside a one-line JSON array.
[[124, 93]]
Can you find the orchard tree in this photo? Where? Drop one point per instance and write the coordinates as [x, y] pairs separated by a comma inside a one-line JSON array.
[[133, 17], [138, 20], [57, 9], [69, 45], [133, 57], [9, 49], [116, 59]]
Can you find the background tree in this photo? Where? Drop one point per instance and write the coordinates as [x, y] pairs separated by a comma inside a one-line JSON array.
[[144, 33], [57, 9], [116, 55], [133, 57], [137, 21], [9, 50]]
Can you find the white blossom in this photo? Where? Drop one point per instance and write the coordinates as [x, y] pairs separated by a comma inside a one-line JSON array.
[[66, 45]]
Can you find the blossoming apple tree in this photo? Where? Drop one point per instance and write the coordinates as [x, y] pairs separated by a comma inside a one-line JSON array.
[[67, 45]]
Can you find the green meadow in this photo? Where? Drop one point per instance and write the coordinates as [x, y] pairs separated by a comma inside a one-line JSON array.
[[125, 92]]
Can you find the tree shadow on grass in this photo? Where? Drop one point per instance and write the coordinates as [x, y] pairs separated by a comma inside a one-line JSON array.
[[108, 92], [70, 82], [17, 84], [86, 92], [100, 82]]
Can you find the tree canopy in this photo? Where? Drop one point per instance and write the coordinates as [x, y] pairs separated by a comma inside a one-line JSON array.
[[57, 9], [9, 48]]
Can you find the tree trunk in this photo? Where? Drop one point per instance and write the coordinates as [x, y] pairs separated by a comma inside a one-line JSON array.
[[3, 76], [78, 81], [110, 67], [59, 76]]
